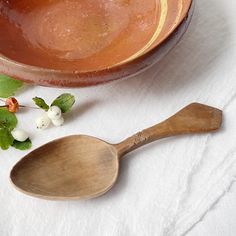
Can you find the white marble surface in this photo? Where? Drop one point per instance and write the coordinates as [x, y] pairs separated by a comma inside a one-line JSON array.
[[167, 187]]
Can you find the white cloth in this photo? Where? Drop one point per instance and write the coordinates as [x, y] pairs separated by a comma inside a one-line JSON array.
[[165, 188]]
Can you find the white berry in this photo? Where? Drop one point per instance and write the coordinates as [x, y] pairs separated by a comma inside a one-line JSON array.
[[19, 135], [43, 122], [54, 113], [58, 122]]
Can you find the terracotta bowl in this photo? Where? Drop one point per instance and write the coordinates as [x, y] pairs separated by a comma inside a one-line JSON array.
[[81, 43]]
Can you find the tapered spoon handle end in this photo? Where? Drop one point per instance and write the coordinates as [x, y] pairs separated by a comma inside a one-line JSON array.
[[194, 118]]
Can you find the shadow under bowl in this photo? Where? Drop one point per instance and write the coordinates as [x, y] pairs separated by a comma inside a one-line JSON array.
[[83, 43]]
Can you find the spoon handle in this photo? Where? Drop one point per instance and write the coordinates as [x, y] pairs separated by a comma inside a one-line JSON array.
[[194, 118]]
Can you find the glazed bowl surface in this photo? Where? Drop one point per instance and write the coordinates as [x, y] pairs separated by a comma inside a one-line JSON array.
[[81, 43]]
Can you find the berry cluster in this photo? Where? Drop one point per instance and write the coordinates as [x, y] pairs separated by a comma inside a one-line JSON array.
[[53, 115], [18, 138]]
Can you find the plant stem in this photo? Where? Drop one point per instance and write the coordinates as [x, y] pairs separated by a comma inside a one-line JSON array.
[[21, 106], [29, 107]]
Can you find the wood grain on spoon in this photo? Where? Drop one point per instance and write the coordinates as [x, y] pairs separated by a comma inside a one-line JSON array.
[[82, 167]]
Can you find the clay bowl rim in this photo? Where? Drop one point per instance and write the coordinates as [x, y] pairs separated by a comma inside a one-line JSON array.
[[104, 71]]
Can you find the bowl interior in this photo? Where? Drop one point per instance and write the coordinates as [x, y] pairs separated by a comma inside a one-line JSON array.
[[84, 36]]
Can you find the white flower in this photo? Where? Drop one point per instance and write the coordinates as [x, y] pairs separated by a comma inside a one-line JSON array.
[[43, 122], [54, 113], [19, 135]]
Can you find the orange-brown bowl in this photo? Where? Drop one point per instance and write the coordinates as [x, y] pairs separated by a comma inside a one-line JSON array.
[[81, 43]]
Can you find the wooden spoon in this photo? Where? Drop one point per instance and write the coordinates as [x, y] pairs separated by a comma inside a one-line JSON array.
[[82, 167]]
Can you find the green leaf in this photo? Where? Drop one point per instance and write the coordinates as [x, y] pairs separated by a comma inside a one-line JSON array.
[[6, 139], [41, 103], [27, 144], [65, 102], [7, 119], [8, 86]]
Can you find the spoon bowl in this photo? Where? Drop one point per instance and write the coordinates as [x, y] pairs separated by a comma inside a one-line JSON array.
[[89, 168], [82, 167]]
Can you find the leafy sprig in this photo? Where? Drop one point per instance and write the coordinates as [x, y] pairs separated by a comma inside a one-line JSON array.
[[64, 102], [41, 103], [8, 86], [8, 119], [6, 139], [8, 122], [27, 144]]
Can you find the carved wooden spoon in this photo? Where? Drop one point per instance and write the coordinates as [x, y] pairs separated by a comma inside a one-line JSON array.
[[81, 167]]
